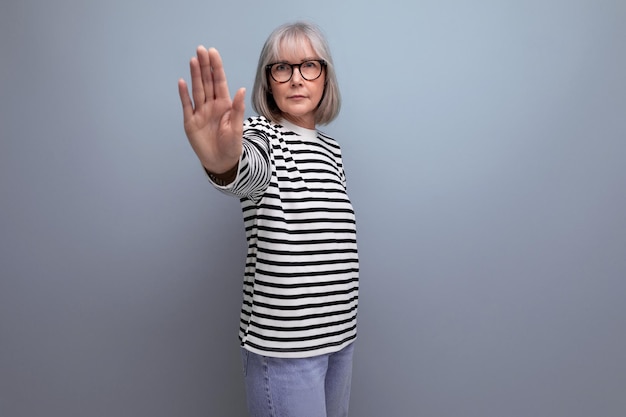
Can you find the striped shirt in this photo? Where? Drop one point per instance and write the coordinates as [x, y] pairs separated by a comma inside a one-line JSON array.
[[300, 289]]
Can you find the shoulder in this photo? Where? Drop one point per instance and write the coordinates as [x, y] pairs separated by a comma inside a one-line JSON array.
[[328, 140], [261, 126], [260, 123]]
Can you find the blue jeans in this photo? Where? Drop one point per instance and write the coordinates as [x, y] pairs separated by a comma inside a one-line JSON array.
[[309, 387]]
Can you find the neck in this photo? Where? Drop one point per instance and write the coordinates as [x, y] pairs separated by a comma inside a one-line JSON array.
[[307, 122]]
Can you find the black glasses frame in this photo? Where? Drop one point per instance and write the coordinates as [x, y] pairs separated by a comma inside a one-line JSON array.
[[322, 62]]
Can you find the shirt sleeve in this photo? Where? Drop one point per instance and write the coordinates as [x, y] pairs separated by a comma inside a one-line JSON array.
[[254, 172]]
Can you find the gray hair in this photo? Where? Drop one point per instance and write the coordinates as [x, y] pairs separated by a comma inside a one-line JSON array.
[[292, 35]]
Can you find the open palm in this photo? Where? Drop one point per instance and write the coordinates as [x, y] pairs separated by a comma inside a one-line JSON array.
[[213, 122]]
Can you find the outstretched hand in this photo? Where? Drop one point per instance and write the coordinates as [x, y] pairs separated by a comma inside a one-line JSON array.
[[213, 122]]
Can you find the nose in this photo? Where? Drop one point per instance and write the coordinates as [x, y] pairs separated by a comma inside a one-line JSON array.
[[296, 76]]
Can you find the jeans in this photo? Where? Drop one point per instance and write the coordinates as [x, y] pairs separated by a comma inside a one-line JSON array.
[[305, 387]]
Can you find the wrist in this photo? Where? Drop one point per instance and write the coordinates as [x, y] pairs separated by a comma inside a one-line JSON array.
[[224, 178]]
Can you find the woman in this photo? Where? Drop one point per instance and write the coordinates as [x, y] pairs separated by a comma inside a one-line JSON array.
[[298, 318]]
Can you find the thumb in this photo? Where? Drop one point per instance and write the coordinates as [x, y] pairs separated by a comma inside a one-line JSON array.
[[239, 105]]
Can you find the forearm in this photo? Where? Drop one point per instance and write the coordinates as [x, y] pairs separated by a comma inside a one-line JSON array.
[[251, 176]]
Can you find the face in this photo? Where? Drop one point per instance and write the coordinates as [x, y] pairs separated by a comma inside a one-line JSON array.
[[298, 98]]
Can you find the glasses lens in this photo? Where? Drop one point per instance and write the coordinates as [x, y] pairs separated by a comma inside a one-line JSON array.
[[281, 72], [310, 70]]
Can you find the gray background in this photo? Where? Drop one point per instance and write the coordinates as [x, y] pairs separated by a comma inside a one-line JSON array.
[[484, 143]]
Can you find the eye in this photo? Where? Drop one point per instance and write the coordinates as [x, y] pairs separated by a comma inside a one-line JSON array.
[[310, 64], [282, 67]]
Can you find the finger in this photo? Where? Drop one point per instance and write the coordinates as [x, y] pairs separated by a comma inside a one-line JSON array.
[[206, 72], [197, 87], [185, 100], [183, 92], [219, 77]]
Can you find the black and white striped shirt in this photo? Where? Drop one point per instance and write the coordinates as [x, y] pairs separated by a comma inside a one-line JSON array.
[[300, 289]]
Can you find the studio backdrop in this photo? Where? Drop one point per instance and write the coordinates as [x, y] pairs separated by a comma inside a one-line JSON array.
[[484, 144]]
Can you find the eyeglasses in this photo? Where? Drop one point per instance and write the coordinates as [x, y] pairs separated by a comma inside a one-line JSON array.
[[282, 72]]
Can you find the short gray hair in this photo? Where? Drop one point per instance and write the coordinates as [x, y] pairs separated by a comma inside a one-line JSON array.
[[292, 35]]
